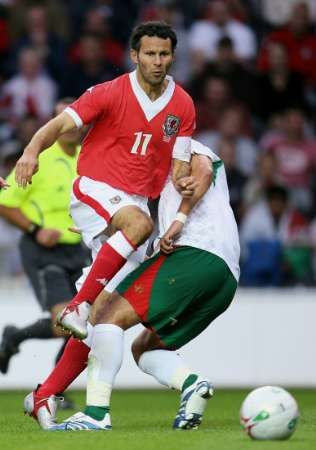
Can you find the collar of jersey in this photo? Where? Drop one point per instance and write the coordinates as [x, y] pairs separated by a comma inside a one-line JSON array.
[[151, 108]]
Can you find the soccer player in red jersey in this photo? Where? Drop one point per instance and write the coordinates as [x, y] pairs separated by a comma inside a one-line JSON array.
[[138, 123]]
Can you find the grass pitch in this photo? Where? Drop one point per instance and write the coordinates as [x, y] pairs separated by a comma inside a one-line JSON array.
[[142, 421]]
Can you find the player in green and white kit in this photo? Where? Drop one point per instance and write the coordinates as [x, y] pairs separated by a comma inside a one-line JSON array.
[[175, 295]]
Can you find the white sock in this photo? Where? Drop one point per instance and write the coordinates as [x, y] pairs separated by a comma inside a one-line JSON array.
[[88, 339], [105, 359], [166, 366]]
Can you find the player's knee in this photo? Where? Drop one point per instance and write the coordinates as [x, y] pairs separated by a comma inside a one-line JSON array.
[[140, 229], [135, 223], [138, 349], [146, 225]]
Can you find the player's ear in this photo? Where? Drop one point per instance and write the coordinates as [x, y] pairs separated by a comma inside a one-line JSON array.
[[134, 56]]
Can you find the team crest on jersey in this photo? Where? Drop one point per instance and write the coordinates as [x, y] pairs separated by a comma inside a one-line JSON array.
[[170, 127], [115, 200]]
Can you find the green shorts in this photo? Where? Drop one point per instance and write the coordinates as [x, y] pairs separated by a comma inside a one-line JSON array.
[[179, 295]]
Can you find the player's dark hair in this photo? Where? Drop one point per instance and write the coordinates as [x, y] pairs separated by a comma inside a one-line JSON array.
[[154, 28]]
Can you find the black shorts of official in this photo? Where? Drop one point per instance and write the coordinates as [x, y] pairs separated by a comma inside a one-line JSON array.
[[53, 271]]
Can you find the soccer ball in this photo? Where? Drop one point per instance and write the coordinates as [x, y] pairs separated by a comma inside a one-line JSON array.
[[269, 412]]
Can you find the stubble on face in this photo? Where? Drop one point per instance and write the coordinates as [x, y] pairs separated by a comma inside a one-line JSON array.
[[153, 60]]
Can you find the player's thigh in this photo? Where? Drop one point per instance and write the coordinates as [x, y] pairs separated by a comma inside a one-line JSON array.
[[166, 291], [132, 219], [146, 341], [116, 311], [164, 286], [94, 204], [199, 315]]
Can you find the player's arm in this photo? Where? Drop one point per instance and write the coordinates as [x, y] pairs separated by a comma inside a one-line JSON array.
[[10, 209], [16, 217], [45, 137], [10, 205], [182, 179], [202, 171], [47, 237]]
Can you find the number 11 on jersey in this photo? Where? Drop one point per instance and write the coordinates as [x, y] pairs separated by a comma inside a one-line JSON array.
[[141, 140]]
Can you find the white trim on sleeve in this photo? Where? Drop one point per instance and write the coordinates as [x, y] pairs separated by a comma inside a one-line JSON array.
[[200, 149], [182, 148], [75, 116]]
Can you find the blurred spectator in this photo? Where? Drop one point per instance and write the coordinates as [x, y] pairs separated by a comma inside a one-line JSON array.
[[299, 40], [235, 179], [230, 129], [218, 22], [30, 91], [276, 240], [264, 177], [91, 68], [279, 88], [4, 39], [96, 22], [226, 65], [37, 34], [12, 148], [273, 131], [170, 12], [278, 12], [215, 98], [296, 156]]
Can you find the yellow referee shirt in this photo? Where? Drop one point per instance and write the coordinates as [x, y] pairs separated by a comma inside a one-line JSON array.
[[46, 201]]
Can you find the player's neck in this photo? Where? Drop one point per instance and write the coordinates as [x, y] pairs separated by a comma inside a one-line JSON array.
[[153, 92], [69, 148]]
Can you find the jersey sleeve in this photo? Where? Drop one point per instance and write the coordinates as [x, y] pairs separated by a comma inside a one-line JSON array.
[[182, 146], [14, 196], [90, 105], [200, 149]]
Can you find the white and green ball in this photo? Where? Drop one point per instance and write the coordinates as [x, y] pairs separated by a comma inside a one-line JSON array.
[[269, 412]]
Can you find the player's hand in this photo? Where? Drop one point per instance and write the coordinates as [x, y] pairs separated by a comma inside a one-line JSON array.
[[3, 184], [47, 237], [173, 233], [25, 168], [186, 186]]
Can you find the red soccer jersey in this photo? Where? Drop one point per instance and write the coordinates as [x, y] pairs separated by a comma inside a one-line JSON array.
[[132, 140]]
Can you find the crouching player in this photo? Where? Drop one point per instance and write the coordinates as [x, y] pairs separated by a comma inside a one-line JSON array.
[[175, 295]]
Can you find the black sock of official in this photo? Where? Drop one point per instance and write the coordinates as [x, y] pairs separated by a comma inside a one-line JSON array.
[[41, 329]]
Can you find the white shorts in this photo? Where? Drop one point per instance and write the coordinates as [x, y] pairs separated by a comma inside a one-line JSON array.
[[94, 203]]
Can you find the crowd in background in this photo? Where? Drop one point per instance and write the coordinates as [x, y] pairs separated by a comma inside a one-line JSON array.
[[250, 66]]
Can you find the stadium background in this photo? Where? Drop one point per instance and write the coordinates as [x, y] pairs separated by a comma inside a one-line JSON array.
[[251, 68]]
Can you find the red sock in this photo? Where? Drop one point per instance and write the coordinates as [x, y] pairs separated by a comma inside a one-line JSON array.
[[110, 259], [71, 364]]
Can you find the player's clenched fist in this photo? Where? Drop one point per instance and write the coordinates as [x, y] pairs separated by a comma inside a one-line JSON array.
[[167, 240], [26, 167], [186, 186]]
